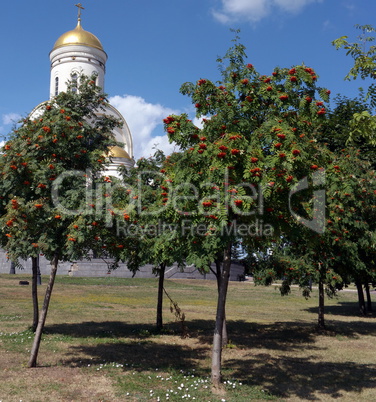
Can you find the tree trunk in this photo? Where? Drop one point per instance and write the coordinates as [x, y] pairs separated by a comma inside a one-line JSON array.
[[224, 329], [362, 303], [224, 332], [12, 270], [162, 269], [369, 301], [43, 315], [220, 317], [39, 277], [321, 315], [34, 292]]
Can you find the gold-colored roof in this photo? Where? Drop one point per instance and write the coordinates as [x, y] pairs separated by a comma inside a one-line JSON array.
[[78, 36], [118, 152]]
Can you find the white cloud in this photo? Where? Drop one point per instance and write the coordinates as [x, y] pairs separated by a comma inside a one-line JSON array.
[[294, 6], [198, 121], [8, 121], [158, 142], [144, 119], [234, 10], [327, 25], [350, 7], [10, 118], [255, 10]]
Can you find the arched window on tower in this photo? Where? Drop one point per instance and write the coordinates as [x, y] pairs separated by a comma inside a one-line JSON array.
[[56, 86], [74, 82]]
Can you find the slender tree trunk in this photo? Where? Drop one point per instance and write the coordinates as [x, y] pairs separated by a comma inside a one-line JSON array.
[[162, 269], [321, 315], [224, 332], [224, 329], [39, 277], [220, 317], [43, 315], [369, 301], [12, 270], [34, 292], [362, 303]]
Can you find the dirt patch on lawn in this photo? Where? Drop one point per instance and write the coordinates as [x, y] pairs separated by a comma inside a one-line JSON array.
[[51, 383], [56, 384]]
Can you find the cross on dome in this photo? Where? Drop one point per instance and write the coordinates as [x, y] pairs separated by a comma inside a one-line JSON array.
[[79, 6]]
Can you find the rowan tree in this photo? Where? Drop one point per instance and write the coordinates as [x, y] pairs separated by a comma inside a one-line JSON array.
[[338, 139], [258, 139], [46, 166], [345, 251]]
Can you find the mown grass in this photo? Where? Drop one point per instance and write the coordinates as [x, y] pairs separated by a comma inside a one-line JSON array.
[[100, 344]]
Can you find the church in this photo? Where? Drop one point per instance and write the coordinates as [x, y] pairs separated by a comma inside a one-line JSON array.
[[74, 53]]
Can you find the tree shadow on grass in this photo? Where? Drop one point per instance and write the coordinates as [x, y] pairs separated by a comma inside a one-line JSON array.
[[304, 378], [267, 355], [279, 335], [104, 329], [344, 309], [268, 359], [144, 355], [139, 347], [284, 335]]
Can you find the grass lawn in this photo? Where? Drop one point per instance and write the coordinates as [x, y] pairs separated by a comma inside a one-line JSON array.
[[100, 345]]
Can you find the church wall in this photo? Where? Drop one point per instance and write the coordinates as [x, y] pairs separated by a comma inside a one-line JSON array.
[[122, 134], [97, 267]]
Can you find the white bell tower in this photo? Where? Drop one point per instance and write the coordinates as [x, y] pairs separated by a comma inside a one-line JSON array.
[[79, 52], [76, 52]]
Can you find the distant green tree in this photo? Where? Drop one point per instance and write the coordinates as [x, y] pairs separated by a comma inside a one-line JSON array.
[[336, 131], [363, 52], [161, 242]]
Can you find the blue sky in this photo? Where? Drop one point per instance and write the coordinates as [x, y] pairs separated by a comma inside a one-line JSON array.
[[155, 46]]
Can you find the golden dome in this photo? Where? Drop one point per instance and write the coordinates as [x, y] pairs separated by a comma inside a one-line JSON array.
[[78, 36], [118, 152]]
